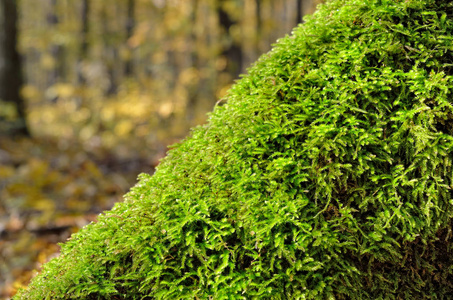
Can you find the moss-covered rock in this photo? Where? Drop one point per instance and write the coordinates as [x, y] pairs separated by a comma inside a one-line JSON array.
[[325, 174]]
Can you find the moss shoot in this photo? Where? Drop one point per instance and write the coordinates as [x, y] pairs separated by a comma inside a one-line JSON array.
[[325, 174]]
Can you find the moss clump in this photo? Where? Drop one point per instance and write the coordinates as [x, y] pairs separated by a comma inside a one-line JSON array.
[[326, 175]]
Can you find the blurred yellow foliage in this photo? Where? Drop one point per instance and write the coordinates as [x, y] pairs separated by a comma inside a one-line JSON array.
[[123, 128], [48, 62], [6, 171], [7, 110]]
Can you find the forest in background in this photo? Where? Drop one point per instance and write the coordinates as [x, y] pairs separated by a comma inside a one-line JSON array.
[[104, 87]]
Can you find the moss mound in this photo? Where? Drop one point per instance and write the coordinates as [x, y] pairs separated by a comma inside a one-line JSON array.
[[326, 174]]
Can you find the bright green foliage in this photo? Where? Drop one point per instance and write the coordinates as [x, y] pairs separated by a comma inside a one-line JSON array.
[[326, 174]]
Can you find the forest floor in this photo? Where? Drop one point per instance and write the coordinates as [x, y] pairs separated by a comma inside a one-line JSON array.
[[49, 189]]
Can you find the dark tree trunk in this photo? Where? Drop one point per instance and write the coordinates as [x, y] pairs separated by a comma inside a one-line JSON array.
[[11, 66], [299, 14], [195, 62], [57, 51], [84, 40], [111, 56], [259, 23], [305, 7], [233, 52], [130, 25]]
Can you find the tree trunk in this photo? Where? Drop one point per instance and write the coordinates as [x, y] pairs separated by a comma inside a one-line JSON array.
[[11, 67], [84, 40], [259, 22], [232, 52], [309, 6], [299, 14], [195, 62], [130, 24], [111, 54], [56, 51]]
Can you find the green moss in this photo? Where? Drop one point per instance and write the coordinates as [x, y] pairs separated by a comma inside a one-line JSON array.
[[326, 174]]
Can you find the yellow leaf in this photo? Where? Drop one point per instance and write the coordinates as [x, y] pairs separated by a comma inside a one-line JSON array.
[[42, 204], [123, 128], [6, 171]]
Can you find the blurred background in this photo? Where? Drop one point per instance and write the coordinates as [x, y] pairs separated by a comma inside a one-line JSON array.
[[93, 91]]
